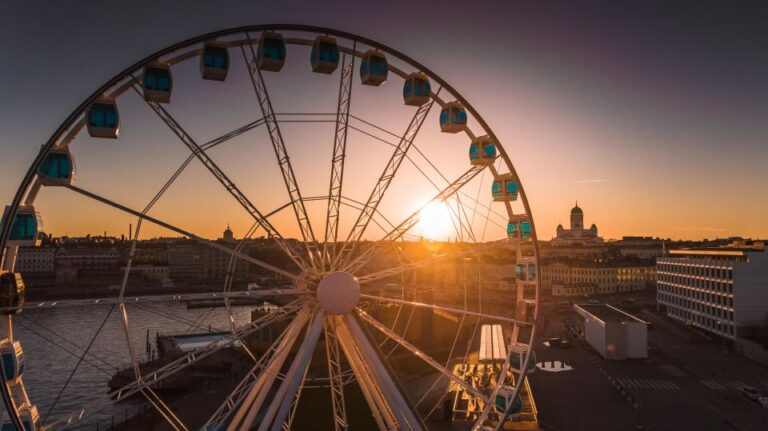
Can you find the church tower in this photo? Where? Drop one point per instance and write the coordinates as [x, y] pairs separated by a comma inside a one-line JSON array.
[[577, 218], [228, 235]]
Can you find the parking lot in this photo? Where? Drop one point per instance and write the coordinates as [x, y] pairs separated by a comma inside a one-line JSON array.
[[686, 383]]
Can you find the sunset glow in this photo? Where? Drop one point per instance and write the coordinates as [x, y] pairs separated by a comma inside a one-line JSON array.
[[435, 222]]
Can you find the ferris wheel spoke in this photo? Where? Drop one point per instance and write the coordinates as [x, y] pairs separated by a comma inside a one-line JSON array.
[[518, 322], [163, 409], [410, 159], [337, 160], [172, 368], [284, 162], [410, 266], [231, 135], [381, 186], [230, 186], [183, 232], [421, 355], [413, 219]]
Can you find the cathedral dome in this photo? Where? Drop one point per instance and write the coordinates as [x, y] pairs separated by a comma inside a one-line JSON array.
[[577, 210]]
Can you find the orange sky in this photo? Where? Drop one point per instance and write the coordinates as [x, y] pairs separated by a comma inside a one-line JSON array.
[[646, 147]]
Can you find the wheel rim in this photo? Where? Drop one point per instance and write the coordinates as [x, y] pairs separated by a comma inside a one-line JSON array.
[[324, 260]]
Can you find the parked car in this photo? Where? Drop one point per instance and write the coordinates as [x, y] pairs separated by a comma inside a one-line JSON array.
[[751, 393], [554, 342], [763, 402]]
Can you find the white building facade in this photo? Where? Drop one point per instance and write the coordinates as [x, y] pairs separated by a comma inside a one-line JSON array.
[[35, 260], [716, 290], [612, 332]]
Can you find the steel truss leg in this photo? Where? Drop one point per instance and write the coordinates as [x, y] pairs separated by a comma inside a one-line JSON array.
[[334, 375], [380, 409], [286, 393], [246, 415], [405, 415]]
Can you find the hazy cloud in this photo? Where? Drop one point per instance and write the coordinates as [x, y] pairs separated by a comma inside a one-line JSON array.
[[702, 228], [592, 181]]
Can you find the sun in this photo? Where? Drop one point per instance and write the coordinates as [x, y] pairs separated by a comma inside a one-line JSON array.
[[435, 221]]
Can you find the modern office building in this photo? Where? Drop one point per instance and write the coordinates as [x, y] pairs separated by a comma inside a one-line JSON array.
[[612, 332], [723, 290]]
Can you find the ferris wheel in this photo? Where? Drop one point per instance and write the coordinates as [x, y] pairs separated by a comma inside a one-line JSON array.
[[349, 294]]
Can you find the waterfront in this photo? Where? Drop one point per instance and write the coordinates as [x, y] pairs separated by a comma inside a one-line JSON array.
[[48, 365]]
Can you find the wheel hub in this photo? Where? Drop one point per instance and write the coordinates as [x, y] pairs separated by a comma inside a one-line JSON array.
[[338, 293]]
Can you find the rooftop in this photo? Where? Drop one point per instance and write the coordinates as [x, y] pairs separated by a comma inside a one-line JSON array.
[[608, 314]]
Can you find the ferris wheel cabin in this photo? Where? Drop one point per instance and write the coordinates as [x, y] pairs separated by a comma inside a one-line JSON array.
[[517, 354], [30, 419], [453, 118], [519, 228], [325, 55], [525, 271], [374, 68], [26, 226], [58, 168], [416, 89], [11, 292], [482, 151], [13, 360], [505, 402], [271, 52], [214, 62], [103, 119], [505, 188], [157, 83]]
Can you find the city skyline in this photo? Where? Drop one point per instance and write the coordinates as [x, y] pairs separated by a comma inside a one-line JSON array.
[[602, 114]]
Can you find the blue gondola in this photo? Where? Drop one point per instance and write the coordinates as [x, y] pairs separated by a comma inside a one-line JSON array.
[[374, 68], [453, 118], [482, 151], [517, 356], [271, 52], [103, 120], [325, 55], [11, 292], [214, 61], [505, 188], [525, 310], [157, 83], [525, 272], [26, 226], [57, 169], [519, 228], [505, 403], [416, 90]]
